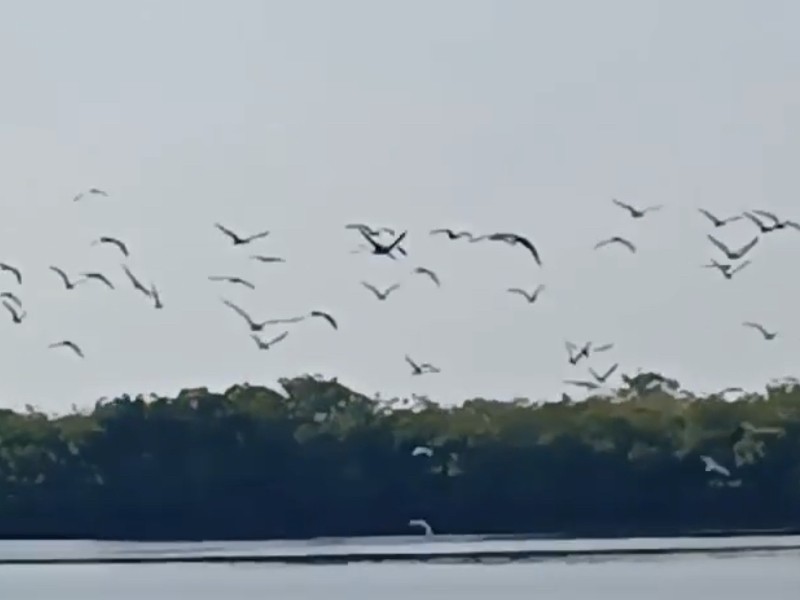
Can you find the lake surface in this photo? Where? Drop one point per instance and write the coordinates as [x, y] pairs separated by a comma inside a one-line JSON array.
[[766, 575]]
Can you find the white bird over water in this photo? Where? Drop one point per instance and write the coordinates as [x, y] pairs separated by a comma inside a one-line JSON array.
[[712, 465], [422, 450], [421, 523]]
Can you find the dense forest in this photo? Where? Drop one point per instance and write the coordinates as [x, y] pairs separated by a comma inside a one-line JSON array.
[[318, 459]]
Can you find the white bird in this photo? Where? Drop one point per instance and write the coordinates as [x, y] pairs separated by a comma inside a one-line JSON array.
[[713, 466], [420, 450], [421, 523]]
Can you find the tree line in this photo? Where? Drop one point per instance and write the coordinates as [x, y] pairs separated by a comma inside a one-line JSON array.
[[319, 459]]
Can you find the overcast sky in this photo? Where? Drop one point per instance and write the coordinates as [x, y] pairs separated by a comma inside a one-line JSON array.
[[301, 116]]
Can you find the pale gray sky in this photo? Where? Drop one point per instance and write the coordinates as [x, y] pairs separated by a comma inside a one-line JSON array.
[[300, 116]]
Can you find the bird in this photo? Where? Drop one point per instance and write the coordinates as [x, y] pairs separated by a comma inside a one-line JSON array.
[[733, 254], [713, 466], [326, 316], [616, 240], [68, 344], [13, 297], [576, 355], [419, 369], [453, 235], [370, 230], [138, 285], [380, 295], [602, 378], [776, 222], [112, 241], [422, 451], [382, 249], [589, 385], [530, 297], [514, 239], [728, 271], [717, 222], [636, 213], [68, 283], [262, 345], [90, 192], [762, 227], [433, 276], [601, 348], [767, 334], [254, 325], [98, 277], [267, 259], [237, 239], [13, 270], [17, 317], [421, 523], [230, 279]]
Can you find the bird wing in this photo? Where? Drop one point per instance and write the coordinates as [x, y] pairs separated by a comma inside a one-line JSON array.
[[610, 371], [450, 233], [256, 236], [391, 288], [326, 316], [739, 267], [518, 291], [768, 215], [754, 326], [371, 288], [136, 283], [414, 365], [397, 240], [14, 270], [118, 243], [278, 338], [627, 207], [747, 247], [531, 248], [244, 282], [585, 384], [367, 237], [226, 231], [238, 310], [75, 348], [61, 274], [12, 297], [629, 245], [429, 273], [719, 245], [653, 208], [259, 342], [709, 216], [99, 277], [11, 310]]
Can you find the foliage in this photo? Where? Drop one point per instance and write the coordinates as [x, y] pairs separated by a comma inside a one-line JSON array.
[[322, 460]]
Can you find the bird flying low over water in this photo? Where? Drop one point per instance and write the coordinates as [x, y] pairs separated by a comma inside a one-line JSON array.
[[231, 279], [262, 345], [90, 192], [433, 276], [713, 466], [530, 297], [237, 239], [380, 295], [514, 239], [112, 241], [68, 344], [616, 240], [17, 317], [637, 213], [767, 334], [13, 270], [717, 222], [419, 369], [733, 254], [326, 316]]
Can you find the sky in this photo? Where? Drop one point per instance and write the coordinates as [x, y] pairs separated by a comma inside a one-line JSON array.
[[301, 116]]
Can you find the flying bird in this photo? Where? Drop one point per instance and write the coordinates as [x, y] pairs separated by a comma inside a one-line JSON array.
[[422, 451], [68, 283], [382, 249], [434, 277], [326, 316], [637, 213], [768, 335], [255, 326], [514, 239], [453, 235], [589, 385], [380, 295], [733, 254], [421, 523], [262, 345], [13, 297], [98, 277], [237, 239], [17, 317], [728, 271], [229, 279], [13, 270], [90, 192], [616, 240], [776, 222], [138, 285], [112, 241], [374, 232], [267, 259], [713, 466], [531, 298], [602, 378], [717, 222], [419, 369], [68, 344]]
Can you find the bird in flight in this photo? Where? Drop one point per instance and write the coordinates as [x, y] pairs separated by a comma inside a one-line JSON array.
[[727, 270], [17, 317], [13, 270], [229, 279], [374, 232], [382, 249], [637, 213], [90, 192], [713, 466], [514, 239], [762, 227], [68, 344], [422, 451], [112, 241], [138, 285], [453, 235], [98, 277], [602, 378], [616, 240], [768, 335], [433, 276], [776, 222], [267, 259], [733, 254], [419, 369], [380, 295], [68, 283], [255, 326], [589, 385], [323, 315], [716, 221], [262, 345], [531, 298], [237, 239], [13, 297]]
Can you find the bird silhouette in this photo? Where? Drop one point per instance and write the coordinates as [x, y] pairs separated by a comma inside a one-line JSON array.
[[113, 242], [530, 297], [616, 240], [433, 276], [90, 192], [382, 249], [636, 213], [68, 344], [98, 277], [373, 231], [138, 285], [733, 254], [514, 239], [326, 316], [237, 239], [728, 271], [13, 270], [380, 295], [267, 259], [419, 369], [254, 325], [776, 222], [230, 279], [453, 235], [768, 335], [262, 345], [68, 283], [17, 317], [13, 297], [602, 378], [717, 222]]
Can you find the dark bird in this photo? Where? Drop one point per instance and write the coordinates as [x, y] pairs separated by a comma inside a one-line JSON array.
[[262, 345], [767, 334], [378, 294], [229, 279], [154, 293], [602, 378], [717, 222], [531, 298], [326, 316], [68, 344], [98, 277], [575, 355], [17, 317], [453, 235], [68, 283], [114, 242], [90, 192], [776, 222], [419, 369], [636, 213], [13, 297], [762, 227], [616, 240], [254, 325], [13, 270], [238, 240], [136, 283], [434, 277], [514, 239], [381, 249], [267, 259], [728, 271], [375, 232], [733, 254]]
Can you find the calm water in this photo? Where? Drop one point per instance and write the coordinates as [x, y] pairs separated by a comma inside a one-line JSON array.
[[765, 575]]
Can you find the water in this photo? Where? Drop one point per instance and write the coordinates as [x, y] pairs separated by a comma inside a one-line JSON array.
[[773, 575]]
